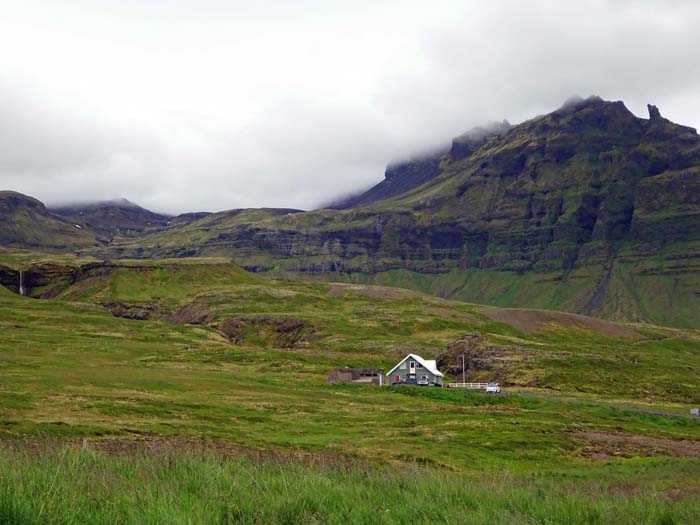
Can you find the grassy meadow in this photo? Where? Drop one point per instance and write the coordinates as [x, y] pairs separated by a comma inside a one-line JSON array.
[[102, 417], [77, 486]]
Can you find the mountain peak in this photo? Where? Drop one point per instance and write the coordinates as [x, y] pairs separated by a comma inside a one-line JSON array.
[[121, 201], [15, 199], [576, 102], [115, 217]]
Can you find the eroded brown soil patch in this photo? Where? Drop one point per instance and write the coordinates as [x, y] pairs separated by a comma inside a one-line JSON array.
[[191, 314], [537, 320], [604, 446], [276, 331]]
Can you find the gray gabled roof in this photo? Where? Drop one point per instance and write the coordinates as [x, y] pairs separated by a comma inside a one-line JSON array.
[[428, 364]]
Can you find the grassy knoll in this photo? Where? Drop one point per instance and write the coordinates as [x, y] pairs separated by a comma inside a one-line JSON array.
[[83, 486]]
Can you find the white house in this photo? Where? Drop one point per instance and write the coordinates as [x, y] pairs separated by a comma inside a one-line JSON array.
[[414, 370]]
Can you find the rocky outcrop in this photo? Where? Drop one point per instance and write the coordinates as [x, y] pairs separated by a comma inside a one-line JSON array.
[[482, 361], [136, 312]]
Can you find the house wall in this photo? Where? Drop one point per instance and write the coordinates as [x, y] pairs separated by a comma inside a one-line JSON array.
[[404, 371]]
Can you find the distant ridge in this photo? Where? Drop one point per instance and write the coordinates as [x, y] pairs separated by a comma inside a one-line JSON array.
[[112, 218]]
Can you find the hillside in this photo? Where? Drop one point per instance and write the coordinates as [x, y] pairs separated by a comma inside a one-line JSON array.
[[26, 223], [588, 209], [362, 325]]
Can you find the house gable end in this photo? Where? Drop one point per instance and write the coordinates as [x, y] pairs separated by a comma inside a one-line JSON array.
[[426, 365]]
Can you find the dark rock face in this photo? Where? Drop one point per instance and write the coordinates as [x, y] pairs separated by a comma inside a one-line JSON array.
[[272, 331], [9, 278], [398, 179]]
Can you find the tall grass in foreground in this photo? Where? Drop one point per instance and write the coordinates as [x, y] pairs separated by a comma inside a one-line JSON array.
[[87, 487]]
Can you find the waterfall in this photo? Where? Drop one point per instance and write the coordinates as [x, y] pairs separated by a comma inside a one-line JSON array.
[[21, 282]]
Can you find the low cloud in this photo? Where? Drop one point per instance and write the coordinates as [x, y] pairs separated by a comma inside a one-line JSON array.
[[255, 109]]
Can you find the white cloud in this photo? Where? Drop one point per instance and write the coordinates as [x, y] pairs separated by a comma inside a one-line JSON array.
[[182, 105]]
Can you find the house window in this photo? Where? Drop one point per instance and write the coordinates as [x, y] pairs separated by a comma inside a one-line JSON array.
[[424, 378], [413, 367]]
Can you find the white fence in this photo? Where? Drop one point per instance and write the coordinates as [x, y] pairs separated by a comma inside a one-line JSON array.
[[469, 386]]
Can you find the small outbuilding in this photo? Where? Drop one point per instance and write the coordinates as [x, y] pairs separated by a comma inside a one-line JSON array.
[[414, 370], [367, 376]]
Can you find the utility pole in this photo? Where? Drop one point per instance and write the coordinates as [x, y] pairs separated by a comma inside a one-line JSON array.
[[463, 380]]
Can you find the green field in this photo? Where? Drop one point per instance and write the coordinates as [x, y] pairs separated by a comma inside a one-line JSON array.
[[84, 486], [567, 444]]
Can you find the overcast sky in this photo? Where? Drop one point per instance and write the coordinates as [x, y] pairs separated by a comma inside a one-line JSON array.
[[187, 105]]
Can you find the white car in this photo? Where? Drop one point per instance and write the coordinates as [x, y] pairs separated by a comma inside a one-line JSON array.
[[493, 388]]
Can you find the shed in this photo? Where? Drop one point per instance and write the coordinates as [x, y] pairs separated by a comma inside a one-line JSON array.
[[368, 376]]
